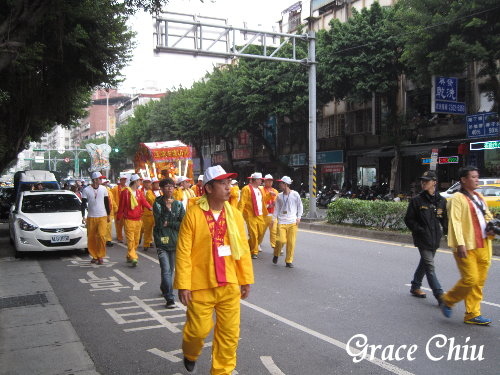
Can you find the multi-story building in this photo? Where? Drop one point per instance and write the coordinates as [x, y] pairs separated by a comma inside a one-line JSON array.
[[126, 108]]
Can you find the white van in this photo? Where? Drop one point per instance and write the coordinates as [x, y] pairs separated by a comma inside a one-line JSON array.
[[25, 180]]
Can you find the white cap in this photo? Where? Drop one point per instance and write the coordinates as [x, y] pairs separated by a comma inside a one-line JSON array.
[[182, 179], [147, 179], [135, 177], [155, 179], [200, 177], [268, 177], [256, 175], [234, 182], [287, 180], [96, 175], [216, 173]]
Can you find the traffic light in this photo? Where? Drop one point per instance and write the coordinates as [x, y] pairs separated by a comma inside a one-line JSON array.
[[84, 160], [116, 149]]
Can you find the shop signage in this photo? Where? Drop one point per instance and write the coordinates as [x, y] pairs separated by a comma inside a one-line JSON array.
[[490, 145], [332, 168], [483, 125], [241, 153], [442, 160], [434, 159], [330, 157], [445, 95]]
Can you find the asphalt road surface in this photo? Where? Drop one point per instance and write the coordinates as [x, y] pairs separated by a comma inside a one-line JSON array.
[[295, 322]]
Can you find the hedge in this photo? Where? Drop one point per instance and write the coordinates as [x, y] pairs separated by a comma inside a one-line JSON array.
[[378, 214]]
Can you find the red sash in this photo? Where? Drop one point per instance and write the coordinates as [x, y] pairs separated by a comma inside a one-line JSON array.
[[218, 231], [475, 222], [254, 201]]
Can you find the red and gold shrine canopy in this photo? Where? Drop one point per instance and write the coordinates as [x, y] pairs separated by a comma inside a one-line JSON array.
[[169, 151]]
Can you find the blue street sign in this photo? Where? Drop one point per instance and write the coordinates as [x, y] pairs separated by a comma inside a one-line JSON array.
[[456, 108], [446, 89], [483, 125]]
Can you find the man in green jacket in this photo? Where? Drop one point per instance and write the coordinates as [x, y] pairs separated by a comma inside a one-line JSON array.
[[168, 214]]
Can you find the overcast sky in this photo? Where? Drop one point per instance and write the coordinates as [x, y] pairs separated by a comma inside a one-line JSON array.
[[167, 71]]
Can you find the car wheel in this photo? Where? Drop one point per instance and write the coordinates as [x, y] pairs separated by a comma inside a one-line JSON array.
[[11, 241]]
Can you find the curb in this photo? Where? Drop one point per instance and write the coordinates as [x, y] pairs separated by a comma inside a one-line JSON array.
[[406, 238]]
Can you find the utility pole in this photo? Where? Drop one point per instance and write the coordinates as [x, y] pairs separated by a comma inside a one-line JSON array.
[[213, 37]]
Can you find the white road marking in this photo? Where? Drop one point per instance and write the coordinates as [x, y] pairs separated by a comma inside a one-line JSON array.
[[172, 355], [271, 366], [485, 302], [385, 365], [136, 285]]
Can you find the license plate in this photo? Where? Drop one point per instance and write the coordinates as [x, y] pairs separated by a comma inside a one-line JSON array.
[[61, 238]]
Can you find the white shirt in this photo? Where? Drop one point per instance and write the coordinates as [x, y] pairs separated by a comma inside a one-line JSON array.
[[479, 214], [258, 198], [288, 208], [95, 200]]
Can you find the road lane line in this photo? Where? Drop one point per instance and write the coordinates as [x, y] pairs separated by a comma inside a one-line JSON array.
[[398, 244], [271, 366], [485, 302], [385, 365]]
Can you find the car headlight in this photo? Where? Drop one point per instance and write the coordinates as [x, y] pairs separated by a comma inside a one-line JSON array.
[[24, 225]]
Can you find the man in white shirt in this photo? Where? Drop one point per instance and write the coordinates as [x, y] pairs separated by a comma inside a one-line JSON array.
[[95, 199], [288, 211]]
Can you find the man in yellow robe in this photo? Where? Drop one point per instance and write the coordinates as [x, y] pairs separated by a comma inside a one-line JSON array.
[[116, 191], [148, 220], [213, 272], [253, 207]]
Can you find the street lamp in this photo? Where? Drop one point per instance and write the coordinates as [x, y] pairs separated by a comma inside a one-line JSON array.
[[107, 115]]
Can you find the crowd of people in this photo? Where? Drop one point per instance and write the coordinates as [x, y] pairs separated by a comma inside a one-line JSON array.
[[208, 233]]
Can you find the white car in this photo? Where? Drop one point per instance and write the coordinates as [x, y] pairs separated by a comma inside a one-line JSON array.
[[47, 220], [456, 186]]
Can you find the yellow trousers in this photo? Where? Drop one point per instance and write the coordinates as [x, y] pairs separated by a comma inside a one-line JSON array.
[[272, 224], [148, 222], [256, 227], [119, 230], [96, 236], [133, 235], [287, 234], [109, 229], [225, 300], [473, 271]]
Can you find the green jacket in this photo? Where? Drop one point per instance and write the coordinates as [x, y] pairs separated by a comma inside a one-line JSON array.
[[166, 237]]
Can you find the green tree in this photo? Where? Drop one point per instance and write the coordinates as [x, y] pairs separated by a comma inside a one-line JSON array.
[[52, 54], [360, 58], [444, 37]]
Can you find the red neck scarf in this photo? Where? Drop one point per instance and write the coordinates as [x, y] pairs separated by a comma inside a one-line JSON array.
[[254, 200], [218, 231], [475, 221]]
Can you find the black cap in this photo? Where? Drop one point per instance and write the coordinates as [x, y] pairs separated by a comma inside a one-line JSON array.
[[428, 176]]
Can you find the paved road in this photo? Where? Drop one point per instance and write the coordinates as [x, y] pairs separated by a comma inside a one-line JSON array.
[[296, 321]]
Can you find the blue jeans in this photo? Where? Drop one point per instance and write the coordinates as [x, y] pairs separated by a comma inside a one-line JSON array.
[[167, 264], [426, 267]]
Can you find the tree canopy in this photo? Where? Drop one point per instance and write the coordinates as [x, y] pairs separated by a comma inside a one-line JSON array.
[[52, 54]]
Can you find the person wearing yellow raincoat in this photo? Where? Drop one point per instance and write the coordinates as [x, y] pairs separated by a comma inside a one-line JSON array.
[[117, 191], [184, 193], [113, 208], [253, 207], [213, 272], [234, 194]]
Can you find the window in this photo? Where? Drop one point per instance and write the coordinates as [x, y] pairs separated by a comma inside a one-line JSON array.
[[48, 203]]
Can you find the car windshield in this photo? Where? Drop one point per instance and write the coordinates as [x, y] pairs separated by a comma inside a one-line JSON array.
[[47, 203], [490, 191]]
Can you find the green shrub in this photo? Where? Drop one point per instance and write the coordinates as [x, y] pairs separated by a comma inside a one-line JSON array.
[[305, 203], [495, 211], [379, 214]]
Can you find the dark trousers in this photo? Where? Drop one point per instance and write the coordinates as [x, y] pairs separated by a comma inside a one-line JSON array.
[[426, 267]]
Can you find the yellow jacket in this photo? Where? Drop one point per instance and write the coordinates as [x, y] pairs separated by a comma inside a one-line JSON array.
[[150, 197], [116, 191], [460, 226], [234, 196], [194, 265], [245, 204], [113, 207]]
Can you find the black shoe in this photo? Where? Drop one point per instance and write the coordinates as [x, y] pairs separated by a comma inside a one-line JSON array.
[[170, 304], [275, 259], [190, 365], [109, 244], [289, 265]]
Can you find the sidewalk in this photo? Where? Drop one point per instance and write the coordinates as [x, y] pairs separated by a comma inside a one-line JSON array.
[[394, 236], [36, 334]]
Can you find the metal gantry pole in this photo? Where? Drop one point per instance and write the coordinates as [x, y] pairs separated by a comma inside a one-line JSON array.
[[312, 126]]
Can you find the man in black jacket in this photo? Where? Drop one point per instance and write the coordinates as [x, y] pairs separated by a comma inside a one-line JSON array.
[[425, 216]]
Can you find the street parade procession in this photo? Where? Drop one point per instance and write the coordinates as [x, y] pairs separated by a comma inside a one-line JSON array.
[[234, 187]]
